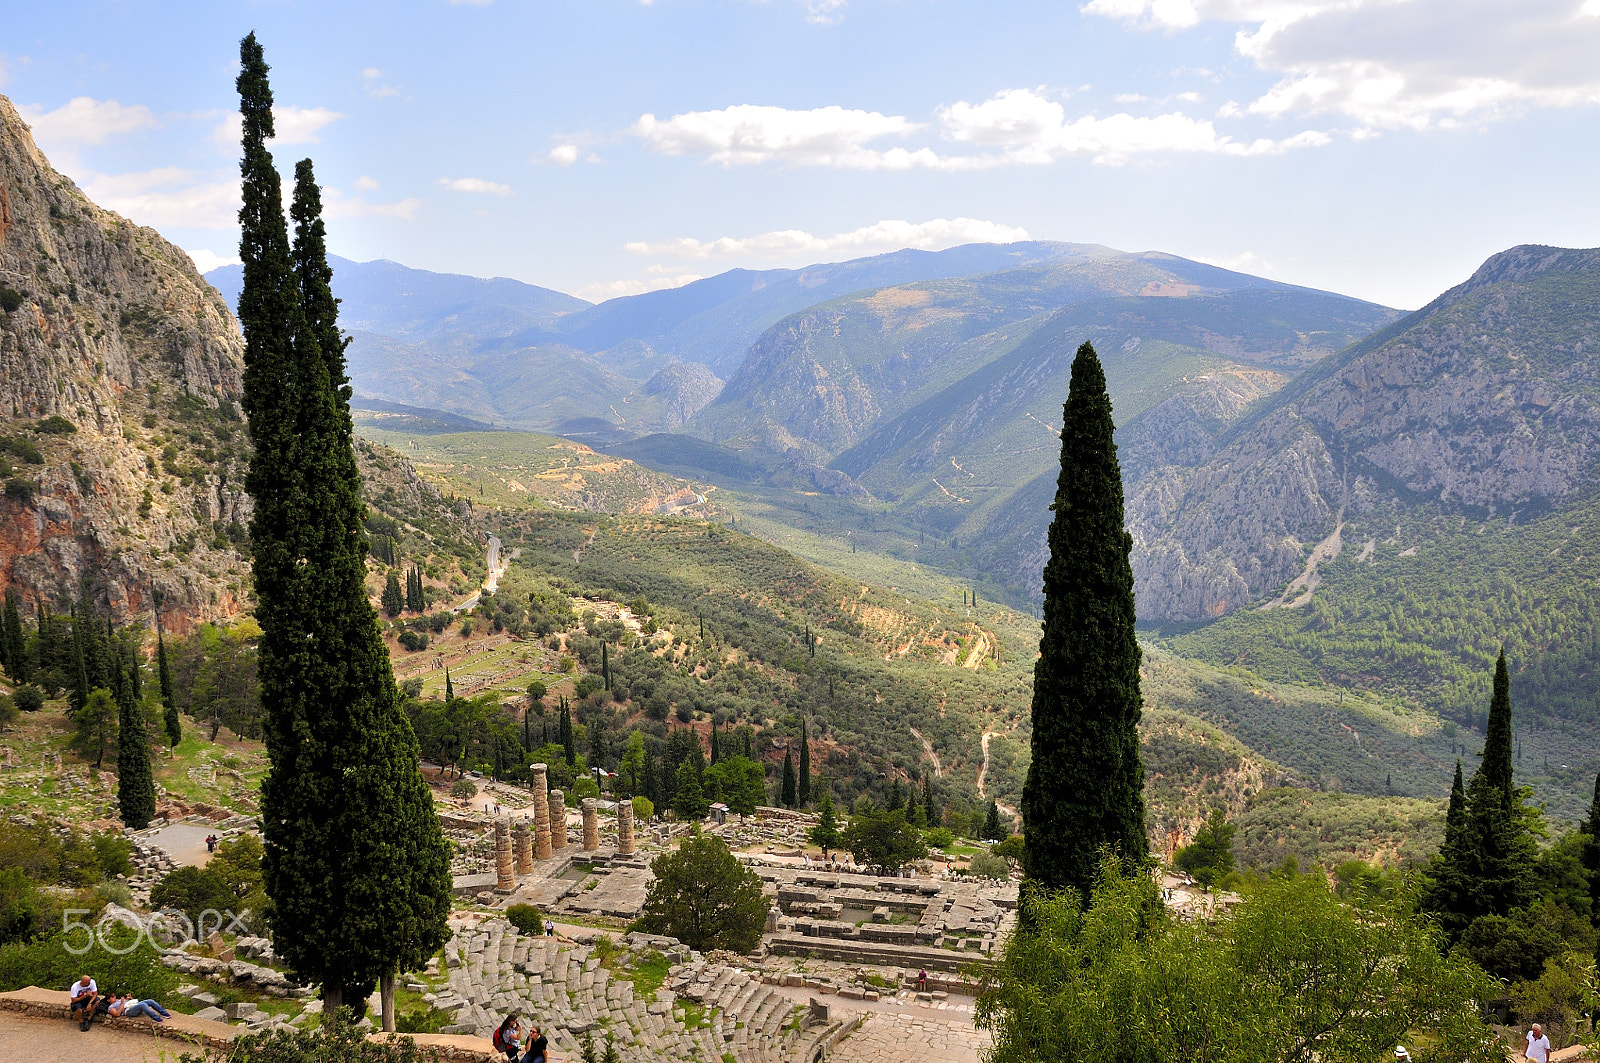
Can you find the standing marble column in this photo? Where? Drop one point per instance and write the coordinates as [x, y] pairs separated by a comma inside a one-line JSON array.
[[591, 825], [541, 810], [624, 828], [524, 843], [558, 820], [505, 883]]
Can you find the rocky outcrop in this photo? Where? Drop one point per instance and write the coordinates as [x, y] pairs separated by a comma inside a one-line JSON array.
[[109, 327], [683, 389], [1485, 402]]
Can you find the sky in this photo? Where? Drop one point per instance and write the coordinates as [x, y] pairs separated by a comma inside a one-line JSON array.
[[1378, 148]]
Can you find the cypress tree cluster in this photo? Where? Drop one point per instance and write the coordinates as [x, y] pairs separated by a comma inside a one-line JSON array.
[[355, 861], [394, 601], [169, 717], [1485, 864], [568, 747], [1085, 786], [416, 601]]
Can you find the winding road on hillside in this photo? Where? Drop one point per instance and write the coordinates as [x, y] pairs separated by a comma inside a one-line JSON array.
[[491, 582], [927, 747], [983, 773]]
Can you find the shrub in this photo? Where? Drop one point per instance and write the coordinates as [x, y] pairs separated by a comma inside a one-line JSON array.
[[537, 690], [466, 628], [194, 891], [413, 641], [20, 488], [47, 963], [987, 865], [526, 918], [55, 425], [28, 698], [10, 298], [463, 790], [643, 809], [939, 837], [588, 685], [22, 448], [332, 1043], [423, 1020]]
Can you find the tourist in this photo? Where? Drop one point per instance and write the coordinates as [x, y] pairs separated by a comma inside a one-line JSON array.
[[922, 981], [538, 1046], [549, 928], [211, 843], [1537, 1048], [84, 996], [508, 1038], [131, 1007]]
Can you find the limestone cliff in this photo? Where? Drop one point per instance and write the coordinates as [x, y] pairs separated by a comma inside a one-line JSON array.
[[113, 345], [1486, 402]]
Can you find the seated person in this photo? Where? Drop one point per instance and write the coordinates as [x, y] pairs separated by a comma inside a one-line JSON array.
[[508, 1037], [538, 1046], [84, 997]]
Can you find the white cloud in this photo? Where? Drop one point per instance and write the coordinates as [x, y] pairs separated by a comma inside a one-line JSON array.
[[600, 292], [1014, 127], [564, 154], [372, 83], [748, 133], [870, 239], [366, 184], [1031, 129], [336, 205], [205, 261], [290, 125], [169, 197], [83, 120], [475, 185], [1394, 64], [826, 12]]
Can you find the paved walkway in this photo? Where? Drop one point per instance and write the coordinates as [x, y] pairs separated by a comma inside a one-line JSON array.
[[28, 1040], [914, 1035], [185, 843]]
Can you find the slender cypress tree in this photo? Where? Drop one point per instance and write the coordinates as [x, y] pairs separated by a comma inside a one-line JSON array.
[[136, 784], [355, 861], [568, 747], [170, 717], [930, 812], [1591, 860], [1496, 768], [787, 794], [605, 665], [80, 691], [1456, 815], [897, 796], [716, 744], [18, 665], [1085, 786], [991, 823], [803, 787]]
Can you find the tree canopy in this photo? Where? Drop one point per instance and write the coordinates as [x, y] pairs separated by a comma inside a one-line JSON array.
[[704, 897]]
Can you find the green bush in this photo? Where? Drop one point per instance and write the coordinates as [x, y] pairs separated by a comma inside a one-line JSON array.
[[333, 1043], [28, 698], [10, 298], [422, 1020], [23, 448], [55, 425], [526, 918], [986, 865], [463, 790], [939, 837], [193, 891], [20, 488], [24, 909], [48, 964]]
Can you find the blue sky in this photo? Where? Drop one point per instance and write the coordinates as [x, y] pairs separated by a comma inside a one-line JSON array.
[[1380, 148]]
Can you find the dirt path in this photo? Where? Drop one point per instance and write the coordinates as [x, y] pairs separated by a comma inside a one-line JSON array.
[[983, 773], [977, 651], [927, 747]]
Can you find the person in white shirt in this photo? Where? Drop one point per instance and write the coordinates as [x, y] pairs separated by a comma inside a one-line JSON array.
[[84, 996], [1537, 1050]]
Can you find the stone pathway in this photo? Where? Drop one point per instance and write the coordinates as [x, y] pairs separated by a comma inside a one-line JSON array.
[[915, 1036], [184, 842], [28, 1040]]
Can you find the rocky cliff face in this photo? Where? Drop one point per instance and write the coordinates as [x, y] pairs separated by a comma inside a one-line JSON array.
[[1486, 402], [113, 344]]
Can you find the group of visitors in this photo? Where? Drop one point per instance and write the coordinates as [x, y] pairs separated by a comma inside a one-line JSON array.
[[86, 1003], [211, 843], [508, 1038]]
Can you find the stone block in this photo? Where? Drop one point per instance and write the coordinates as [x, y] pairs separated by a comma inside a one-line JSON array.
[[214, 1014]]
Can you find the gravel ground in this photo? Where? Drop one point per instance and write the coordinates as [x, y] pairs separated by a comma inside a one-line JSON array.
[[29, 1040]]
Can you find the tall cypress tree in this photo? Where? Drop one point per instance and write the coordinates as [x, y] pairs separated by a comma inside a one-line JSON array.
[[716, 743], [569, 749], [605, 665], [136, 784], [803, 786], [1484, 867], [1085, 785], [992, 830], [355, 861], [930, 812], [18, 664], [1591, 860], [787, 794], [1455, 820], [170, 717]]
